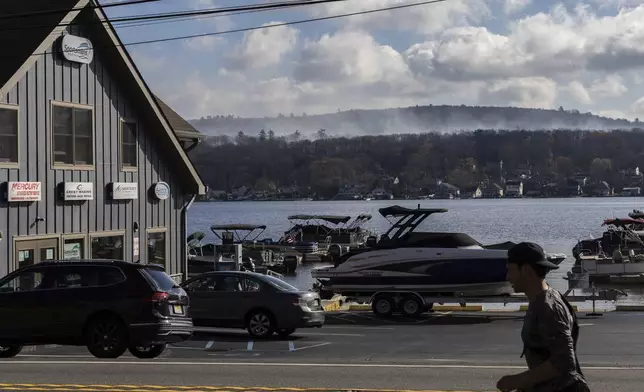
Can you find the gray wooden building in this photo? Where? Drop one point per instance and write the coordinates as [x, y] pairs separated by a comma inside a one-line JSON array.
[[90, 165]]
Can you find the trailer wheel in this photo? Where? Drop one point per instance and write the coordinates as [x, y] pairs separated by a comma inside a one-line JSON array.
[[412, 306], [383, 305]]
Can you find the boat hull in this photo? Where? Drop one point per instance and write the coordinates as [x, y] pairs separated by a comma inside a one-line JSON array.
[[423, 270]]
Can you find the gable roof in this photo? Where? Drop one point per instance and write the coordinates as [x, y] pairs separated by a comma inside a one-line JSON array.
[[182, 128], [92, 17]]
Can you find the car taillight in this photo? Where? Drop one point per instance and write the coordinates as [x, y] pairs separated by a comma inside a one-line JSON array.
[[159, 296], [300, 302]]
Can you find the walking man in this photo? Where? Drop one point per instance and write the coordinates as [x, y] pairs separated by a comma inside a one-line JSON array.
[[550, 328]]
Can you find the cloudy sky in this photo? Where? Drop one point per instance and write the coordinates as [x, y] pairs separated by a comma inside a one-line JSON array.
[[587, 55]]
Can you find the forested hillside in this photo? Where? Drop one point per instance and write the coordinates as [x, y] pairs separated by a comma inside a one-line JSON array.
[[267, 161], [417, 119]]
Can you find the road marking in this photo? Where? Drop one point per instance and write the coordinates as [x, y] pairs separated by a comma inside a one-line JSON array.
[[57, 356], [311, 346], [359, 327], [249, 346], [585, 325], [209, 345], [335, 334], [304, 364], [190, 388]]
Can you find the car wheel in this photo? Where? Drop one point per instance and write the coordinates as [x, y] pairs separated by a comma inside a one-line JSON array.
[[260, 324], [147, 351], [107, 337], [9, 351], [286, 332]]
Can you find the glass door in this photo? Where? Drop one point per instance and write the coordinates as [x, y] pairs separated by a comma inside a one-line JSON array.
[[30, 252]]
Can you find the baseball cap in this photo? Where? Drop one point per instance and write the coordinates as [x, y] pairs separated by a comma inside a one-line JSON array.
[[529, 253]]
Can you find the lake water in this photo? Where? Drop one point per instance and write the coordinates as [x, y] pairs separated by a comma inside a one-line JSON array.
[[556, 224]]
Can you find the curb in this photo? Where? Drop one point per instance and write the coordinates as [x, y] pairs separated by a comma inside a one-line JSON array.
[[440, 308], [332, 304], [524, 308], [630, 308]]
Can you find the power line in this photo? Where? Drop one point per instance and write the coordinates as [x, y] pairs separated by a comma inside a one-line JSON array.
[[197, 17], [178, 38], [296, 22], [67, 10], [212, 11]]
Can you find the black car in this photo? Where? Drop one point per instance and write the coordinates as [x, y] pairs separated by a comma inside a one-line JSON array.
[[261, 304], [108, 306]]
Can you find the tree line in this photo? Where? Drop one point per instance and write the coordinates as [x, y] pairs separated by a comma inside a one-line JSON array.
[[265, 161]]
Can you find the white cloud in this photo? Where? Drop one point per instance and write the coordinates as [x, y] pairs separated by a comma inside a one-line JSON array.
[[205, 43], [579, 92], [514, 6], [523, 92], [264, 47], [572, 57], [352, 57], [609, 86], [426, 19]]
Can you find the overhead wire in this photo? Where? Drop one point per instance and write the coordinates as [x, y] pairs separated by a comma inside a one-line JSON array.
[[296, 22], [275, 25], [125, 25], [177, 14], [67, 10]]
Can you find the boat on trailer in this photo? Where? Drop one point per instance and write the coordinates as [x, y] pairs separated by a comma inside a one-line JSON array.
[[423, 263]]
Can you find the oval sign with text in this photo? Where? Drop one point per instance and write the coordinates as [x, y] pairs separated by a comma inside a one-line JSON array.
[[77, 49], [161, 190]]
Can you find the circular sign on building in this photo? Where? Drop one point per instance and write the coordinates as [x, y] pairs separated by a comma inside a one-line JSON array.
[[161, 190]]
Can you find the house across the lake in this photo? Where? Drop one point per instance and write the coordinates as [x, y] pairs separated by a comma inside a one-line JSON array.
[[90, 165]]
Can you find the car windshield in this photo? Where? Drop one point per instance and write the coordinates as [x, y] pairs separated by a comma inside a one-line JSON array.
[[161, 279], [280, 284]]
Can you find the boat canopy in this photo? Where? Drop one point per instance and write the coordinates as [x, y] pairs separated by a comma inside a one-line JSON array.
[[623, 221], [335, 219], [396, 211], [237, 226]]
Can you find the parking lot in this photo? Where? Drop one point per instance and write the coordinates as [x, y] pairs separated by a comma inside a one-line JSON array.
[[443, 351], [361, 336]]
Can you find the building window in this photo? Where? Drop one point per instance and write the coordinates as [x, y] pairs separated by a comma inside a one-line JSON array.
[[128, 144], [156, 248], [108, 247], [73, 135], [8, 135], [73, 248]]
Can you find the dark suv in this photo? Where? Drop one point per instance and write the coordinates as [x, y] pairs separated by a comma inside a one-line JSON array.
[[108, 306]]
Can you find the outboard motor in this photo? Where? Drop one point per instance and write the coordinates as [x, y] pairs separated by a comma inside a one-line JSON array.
[[372, 240], [335, 252]]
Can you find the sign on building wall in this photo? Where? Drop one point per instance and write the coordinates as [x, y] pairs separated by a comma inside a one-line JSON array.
[[78, 191], [125, 190], [161, 190], [77, 49], [135, 246], [24, 191]]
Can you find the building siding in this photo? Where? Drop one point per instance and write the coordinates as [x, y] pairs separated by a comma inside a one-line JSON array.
[[53, 78]]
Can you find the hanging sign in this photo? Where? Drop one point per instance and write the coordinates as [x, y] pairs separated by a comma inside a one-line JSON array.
[[78, 191], [24, 191], [77, 49]]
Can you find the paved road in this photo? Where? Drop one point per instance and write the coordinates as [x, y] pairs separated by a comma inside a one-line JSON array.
[[355, 350]]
